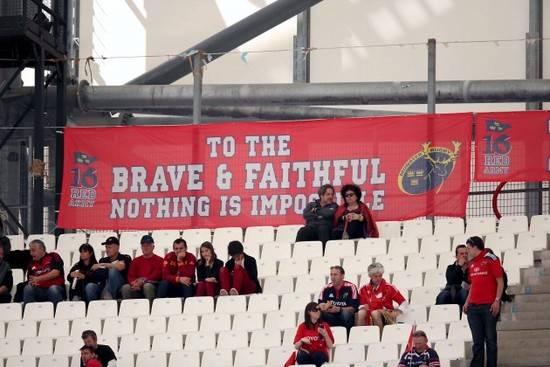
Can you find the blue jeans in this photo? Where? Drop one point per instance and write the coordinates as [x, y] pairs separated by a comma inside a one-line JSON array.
[[115, 281], [344, 318], [54, 294], [445, 298], [484, 331]]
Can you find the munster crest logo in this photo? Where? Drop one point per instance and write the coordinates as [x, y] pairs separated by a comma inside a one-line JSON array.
[[428, 169]]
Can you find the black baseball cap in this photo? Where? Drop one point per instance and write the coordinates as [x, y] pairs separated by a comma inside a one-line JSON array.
[[147, 239], [111, 241]]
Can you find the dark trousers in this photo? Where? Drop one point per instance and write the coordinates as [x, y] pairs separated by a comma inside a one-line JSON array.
[[5, 297], [308, 233], [445, 297], [316, 358], [342, 318], [484, 332], [168, 289]]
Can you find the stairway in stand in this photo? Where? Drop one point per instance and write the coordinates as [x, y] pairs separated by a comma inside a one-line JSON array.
[[524, 330]]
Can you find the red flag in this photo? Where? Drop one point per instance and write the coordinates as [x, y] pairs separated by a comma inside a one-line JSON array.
[[410, 342]]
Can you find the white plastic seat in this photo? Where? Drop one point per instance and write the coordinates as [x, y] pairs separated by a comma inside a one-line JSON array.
[[215, 322], [277, 320], [150, 325], [22, 329], [198, 305], [70, 310], [68, 345], [11, 311], [476, 226], [148, 359], [232, 339], [321, 265], [217, 358], [335, 249], [249, 357], [364, 335], [287, 232], [425, 296], [307, 249], [421, 262], [446, 259], [134, 307], [407, 279], [403, 246], [449, 226], [444, 313], [135, 343], [392, 263], [259, 234], [53, 361], [165, 237], [38, 311], [17, 241], [295, 301], [102, 309], [384, 352], [187, 358], [356, 264], [459, 330], [54, 328], [266, 268], [293, 267], [307, 283], [415, 315], [278, 285], [166, 306], [71, 241], [223, 235], [513, 224], [277, 356], [450, 349], [48, 239], [231, 304], [396, 333], [18, 277], [10, 347], [21, 361], [131, 240], [459, 239], [183, 324], [371, 364], [518, 258], [248, 321], [265, 339], [118, 326], [434, 330], [95, 239], [340, 334], [195, 237], [2, 330], [88, 323], [125, 359], [532, 240], [538, 223], [288, 336], [37, 346], [167, 342], [500, 242], [417, 228], [263, 302], [252, 249], [389, 228], [435, 244], [276, 250], [371, 247], [349, 353], [67, 257], [200, 340]]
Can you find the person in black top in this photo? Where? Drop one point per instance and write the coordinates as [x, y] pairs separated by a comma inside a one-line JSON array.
[[81, 274], [456, 290], [240, 273], [103, 352], [6, 278], [208, 271]]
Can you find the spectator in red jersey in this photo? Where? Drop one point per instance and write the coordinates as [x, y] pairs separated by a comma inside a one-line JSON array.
[[145, 272], [483, 303], [313, 338], [46, 280], [208, 271], [87, 356], [178, 272]]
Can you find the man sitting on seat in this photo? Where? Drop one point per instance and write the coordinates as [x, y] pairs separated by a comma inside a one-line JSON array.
[[456, 290], [115, 267], [178, 272], [102, 352]]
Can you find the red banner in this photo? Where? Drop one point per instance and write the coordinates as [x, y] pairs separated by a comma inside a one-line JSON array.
[[246, 174], [512, 146]]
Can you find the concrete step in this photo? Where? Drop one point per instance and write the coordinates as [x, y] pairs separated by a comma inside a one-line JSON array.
[[525, 316], [524, 307], [506, 335], [528, 350], [509, 345], [528, 289], [521, 298], [536, 280], [523, 362], [524, 325], [535, 272]]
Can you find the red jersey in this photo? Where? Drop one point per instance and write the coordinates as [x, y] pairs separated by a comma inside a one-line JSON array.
[[93, 363], [380, 297], [318, 343], [150, 269], [50, 261], [483, 271], [172, 269]]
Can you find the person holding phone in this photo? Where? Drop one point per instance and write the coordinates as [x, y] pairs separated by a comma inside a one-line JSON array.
[[313, 338]]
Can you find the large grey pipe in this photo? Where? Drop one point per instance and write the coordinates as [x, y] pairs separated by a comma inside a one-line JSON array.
[[132, 98], [226, 40]]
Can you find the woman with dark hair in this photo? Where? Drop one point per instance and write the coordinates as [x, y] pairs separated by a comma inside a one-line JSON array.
[[313, 338], [353, 218], [81, 273], [208, 271]]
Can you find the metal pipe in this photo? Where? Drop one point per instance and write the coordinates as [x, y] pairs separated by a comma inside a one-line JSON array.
[[226, 40], [431, 75], [197, 88]]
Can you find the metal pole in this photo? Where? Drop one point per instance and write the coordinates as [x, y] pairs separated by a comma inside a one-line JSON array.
[[37, 215], [197, 87], [301, 47], [431, 75]]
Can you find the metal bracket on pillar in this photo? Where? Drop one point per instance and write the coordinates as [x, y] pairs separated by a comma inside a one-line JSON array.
[[431, 75], [197, 87]]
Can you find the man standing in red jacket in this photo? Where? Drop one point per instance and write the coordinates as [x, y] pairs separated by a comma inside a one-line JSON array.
[[145, 272], [178, 272]]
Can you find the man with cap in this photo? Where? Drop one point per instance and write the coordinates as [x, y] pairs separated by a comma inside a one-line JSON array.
[[145, 272], [115, 268]]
